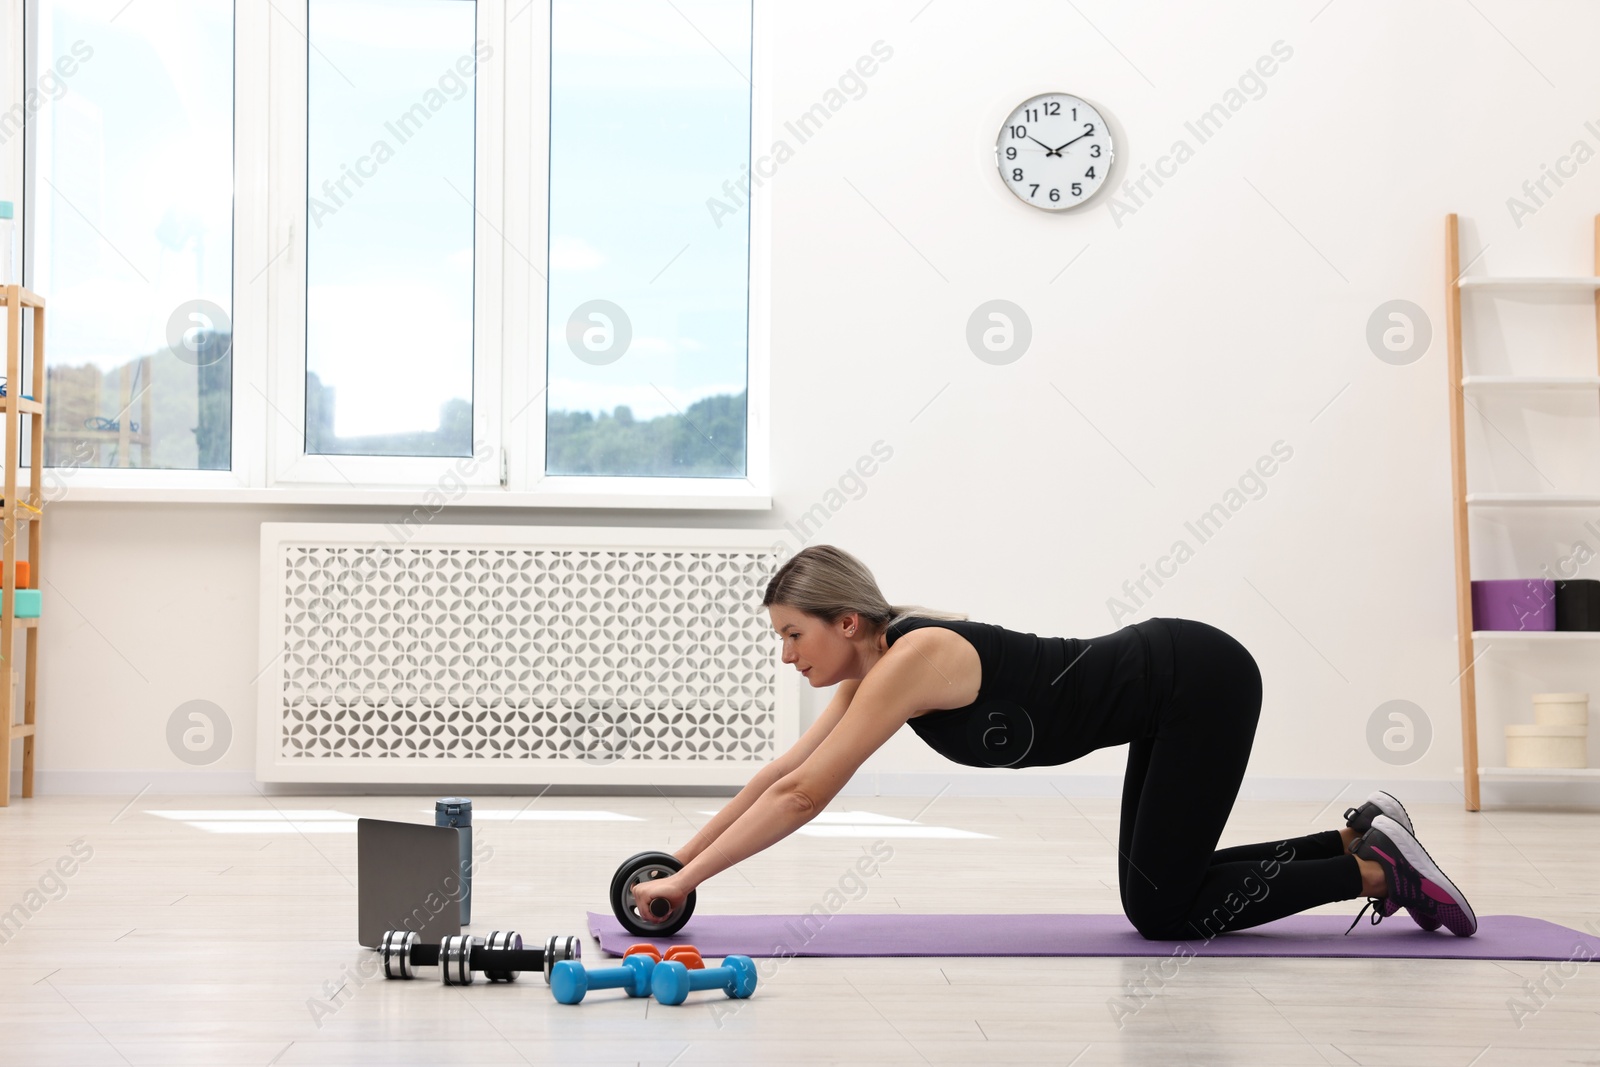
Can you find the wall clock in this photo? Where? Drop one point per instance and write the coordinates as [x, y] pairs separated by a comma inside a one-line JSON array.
[[1054, 151]]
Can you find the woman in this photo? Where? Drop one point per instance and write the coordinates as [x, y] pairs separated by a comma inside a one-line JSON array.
[[1184, 697]]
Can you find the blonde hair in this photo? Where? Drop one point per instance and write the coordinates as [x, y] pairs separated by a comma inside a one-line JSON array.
[[829, 583]]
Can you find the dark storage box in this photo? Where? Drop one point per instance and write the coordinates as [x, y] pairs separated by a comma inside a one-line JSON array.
[[1578, 604]]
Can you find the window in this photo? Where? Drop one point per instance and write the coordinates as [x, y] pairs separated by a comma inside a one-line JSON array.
[[650, 110], [132, 230], [341, 250], [389, 232], [386, 298]]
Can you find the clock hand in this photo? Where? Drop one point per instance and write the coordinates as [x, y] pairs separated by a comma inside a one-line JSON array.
[[1081, 136], [1048, 151]]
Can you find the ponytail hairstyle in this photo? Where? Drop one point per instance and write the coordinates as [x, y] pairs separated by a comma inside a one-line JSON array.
[[829, 583]]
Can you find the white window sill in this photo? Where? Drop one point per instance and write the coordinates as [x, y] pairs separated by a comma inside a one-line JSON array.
[[431, 498]]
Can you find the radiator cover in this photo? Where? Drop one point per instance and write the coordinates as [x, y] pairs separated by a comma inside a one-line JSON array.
[[515, 655]]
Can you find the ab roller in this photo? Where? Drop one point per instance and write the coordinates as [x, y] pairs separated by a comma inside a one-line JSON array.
[[663, 920]]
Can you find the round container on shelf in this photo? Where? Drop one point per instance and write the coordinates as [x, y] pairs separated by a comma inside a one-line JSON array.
[[1533, 745], [1561, 709]]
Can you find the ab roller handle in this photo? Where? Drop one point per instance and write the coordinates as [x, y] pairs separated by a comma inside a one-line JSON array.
[[500, 957]]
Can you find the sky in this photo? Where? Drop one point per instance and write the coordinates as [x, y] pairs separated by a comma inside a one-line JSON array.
[[650, 115]]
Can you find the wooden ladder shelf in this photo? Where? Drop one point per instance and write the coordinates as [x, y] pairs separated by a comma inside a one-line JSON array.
[[14, 405], [1460, 382]]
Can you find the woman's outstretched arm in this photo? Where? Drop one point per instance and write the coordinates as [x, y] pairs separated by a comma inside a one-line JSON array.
[[772, 772], [886, 698]]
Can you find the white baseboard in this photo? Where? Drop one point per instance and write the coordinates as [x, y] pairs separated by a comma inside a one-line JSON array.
[[111, 783], [1333, 792], [244, 783]]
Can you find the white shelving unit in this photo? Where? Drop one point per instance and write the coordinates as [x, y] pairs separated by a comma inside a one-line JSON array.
[[1468, 641]]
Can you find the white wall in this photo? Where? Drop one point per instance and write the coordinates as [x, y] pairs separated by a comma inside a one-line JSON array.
[[1226, 312]]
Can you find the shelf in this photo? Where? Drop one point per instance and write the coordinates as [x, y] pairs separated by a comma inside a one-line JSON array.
[[1536, 635], [1561, 292], [1536, 772], [1533, 382], [1532, 282], [1534, 500], [22, 691]]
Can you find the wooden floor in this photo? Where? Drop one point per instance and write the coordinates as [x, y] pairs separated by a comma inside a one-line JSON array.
[[226, 935]]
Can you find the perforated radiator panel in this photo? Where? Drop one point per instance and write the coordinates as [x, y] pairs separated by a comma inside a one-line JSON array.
[[510, 654]]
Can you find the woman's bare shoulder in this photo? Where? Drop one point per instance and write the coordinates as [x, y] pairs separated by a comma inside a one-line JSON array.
[[940, 666]]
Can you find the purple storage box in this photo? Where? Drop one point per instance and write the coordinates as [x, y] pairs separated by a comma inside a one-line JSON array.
[[1514, 604]]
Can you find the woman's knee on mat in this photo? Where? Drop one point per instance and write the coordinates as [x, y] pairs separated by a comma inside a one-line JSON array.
[[1195, 920], [1156, 929], [1155, 919]]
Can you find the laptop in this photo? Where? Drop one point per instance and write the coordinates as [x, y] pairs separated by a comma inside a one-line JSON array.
[[408, 877]]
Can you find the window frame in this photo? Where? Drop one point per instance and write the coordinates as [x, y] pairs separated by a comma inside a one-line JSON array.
[[511, 177]]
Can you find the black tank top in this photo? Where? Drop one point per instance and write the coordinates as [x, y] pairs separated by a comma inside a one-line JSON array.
[[1044, 701]]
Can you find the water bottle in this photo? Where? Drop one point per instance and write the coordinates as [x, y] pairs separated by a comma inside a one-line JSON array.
[[457, 812]]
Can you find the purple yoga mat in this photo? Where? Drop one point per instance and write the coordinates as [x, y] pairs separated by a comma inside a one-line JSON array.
[[1499, 937]]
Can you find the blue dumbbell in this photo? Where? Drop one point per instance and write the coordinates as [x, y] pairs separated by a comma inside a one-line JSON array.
[[673, 981], [569, 980]]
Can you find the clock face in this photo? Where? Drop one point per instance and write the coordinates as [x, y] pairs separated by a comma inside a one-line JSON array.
[[1054, 151]]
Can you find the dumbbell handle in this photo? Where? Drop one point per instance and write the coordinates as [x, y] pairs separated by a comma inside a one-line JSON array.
[[569, 980], [484, 959], [672, 982], [634, 978], [712, 978], [460, 957]]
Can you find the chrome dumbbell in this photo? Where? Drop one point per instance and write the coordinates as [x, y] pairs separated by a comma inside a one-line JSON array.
[[500, 957]]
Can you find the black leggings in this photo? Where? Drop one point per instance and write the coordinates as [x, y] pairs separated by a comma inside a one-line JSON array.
[[1180, 786]]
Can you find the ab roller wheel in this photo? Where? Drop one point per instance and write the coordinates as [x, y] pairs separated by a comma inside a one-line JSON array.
[[664, 920]]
